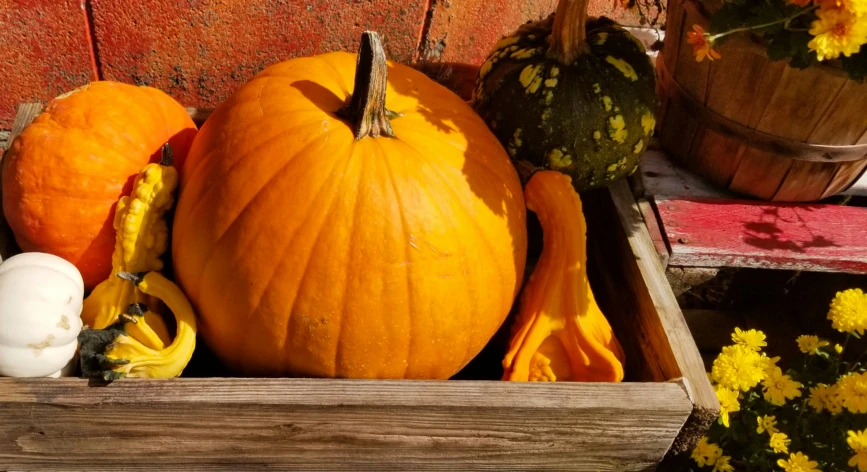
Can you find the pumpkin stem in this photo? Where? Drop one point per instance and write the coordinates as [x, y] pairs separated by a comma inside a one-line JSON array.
[[365, 109], [569, 33]]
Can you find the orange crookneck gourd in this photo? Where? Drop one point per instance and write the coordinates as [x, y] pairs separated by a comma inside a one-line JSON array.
[[560, 333]]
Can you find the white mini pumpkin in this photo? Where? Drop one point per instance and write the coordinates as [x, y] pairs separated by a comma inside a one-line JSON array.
[[40, 307]]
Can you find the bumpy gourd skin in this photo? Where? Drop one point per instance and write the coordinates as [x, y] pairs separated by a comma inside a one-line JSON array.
[[114, 352], [560, 333], [591, 118], [63, 175], [142, 237]]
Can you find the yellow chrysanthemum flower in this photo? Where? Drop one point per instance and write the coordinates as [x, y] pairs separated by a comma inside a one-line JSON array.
[[780, 443], [752, 339], [722, 465], [859, 460], [837, 31], [857, 440], [809, 344], [767, 423], [838, 349], [852, 392], [798, 462], [705, 453], [821, 397], [848, 311], [834, 404], [738, 368], [856, 7], [768, 364], [779, 387], [728, 403]]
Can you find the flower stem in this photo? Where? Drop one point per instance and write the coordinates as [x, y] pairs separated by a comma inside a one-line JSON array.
[[787, 20], [840, 356]]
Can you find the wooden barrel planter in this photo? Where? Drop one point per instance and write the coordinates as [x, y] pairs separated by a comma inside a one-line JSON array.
[[756, 126]]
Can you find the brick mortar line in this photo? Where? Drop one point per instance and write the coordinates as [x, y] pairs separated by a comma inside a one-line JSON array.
[[90, 29], [425, 31]]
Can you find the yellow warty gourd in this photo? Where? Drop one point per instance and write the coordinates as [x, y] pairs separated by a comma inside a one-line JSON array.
[[142, 237], [113, 353], [125, 336]]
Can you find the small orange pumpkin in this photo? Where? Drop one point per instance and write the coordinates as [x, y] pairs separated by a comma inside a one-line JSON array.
[[65, 172], [319, 235]]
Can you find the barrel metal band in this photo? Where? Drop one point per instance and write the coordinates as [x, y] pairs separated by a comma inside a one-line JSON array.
[[783, 147]]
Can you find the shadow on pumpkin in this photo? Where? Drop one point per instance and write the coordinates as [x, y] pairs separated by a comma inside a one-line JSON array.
[[453, 117]]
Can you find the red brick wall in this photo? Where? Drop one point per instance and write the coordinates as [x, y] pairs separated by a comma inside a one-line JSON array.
[[199, 51]]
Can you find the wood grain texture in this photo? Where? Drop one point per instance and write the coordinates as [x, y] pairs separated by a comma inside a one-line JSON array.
[[806, 180], [653, 229], [712, 112], [657, 293], [27, 112], [704, 232], [759, 174], [306, 424], [661, 175]]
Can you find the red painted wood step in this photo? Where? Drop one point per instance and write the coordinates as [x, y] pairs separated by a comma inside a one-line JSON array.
[[711, 232]]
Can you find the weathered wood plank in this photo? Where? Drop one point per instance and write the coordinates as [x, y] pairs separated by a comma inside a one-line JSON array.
[[308, 424], [27, 112], [705, 232], [659, 242], [658, 294], [660, 175]]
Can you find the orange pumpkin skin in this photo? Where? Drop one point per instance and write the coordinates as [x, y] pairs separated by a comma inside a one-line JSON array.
[[64, 173], [306, 252]]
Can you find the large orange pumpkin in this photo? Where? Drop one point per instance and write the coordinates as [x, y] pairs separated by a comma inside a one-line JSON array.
[[65, 172], [314, 243]]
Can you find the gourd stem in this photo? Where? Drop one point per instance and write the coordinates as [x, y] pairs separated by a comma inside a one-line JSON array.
[[569, 33], [365, 109], [167, 156]]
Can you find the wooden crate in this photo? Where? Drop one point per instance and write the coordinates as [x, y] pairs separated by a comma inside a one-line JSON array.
[[665, 403]]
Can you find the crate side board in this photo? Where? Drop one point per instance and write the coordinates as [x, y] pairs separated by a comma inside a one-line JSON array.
[[666, 324], [315, 424]]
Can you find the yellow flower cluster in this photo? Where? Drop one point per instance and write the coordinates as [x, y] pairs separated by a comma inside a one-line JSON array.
[[824, 398], [848, 313], [742, 367], [778, 387], [767, 423], [809, 344], [708, 454], [798, 462], [840, 28], [852, 392]]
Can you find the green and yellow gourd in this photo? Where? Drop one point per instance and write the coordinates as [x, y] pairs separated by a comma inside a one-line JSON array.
[[570, 93]]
